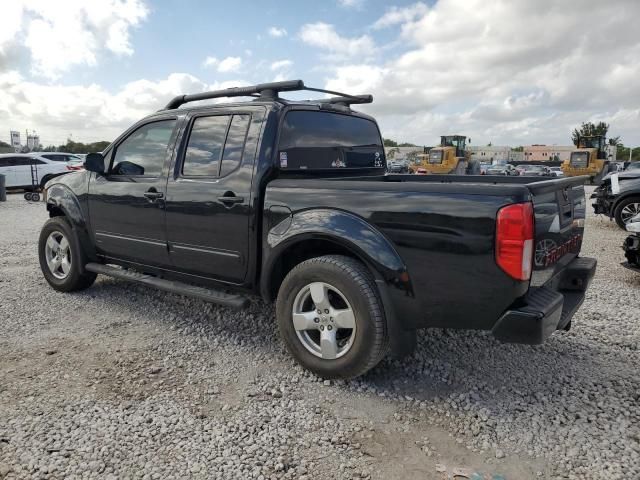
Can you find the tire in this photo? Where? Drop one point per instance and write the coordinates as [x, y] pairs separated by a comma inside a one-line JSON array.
[[27, 196], [73, 277], [35, 197], [622, 212], [346, 285]]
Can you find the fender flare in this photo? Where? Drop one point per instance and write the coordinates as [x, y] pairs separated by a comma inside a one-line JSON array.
[[342, 228], [62, 198]]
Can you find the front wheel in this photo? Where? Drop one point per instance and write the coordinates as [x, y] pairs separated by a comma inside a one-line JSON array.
[[331, 318], [61, 257]]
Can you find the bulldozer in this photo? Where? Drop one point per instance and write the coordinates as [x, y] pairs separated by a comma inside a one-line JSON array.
[[589, 158], [451, 157]]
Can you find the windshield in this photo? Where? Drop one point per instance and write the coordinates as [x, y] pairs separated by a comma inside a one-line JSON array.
[[322, 140], [435, 156], [579, 159]]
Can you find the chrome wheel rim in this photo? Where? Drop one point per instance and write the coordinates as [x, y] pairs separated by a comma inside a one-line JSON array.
[[324, 320], [57, 253], [629, 211]]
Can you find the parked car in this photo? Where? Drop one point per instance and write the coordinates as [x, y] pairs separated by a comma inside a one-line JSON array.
[[397, 166], [484, 167], [502, 170], [618, 196], [289, 200], [18, 168], [631, 245], [556, 171], [535, 171], [74, 161]]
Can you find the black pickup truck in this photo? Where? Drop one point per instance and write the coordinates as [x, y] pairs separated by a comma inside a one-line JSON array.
[[289, 199]]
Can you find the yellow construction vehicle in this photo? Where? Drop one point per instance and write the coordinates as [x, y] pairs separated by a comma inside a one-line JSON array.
[[451, 157], [589, 158]]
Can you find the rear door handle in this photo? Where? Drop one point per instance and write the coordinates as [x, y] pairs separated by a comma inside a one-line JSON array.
[[230, 200]]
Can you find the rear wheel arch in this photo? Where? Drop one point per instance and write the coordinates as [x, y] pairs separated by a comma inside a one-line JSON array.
[[301, 250]]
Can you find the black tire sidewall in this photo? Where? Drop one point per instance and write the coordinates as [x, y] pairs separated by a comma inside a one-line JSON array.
[[75, 279], [359, 356]]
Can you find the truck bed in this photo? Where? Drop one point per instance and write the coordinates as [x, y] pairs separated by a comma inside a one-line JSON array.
[[443, 228]]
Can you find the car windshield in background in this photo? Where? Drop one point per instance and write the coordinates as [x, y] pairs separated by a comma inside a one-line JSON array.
[[579, 159], [322, 140]]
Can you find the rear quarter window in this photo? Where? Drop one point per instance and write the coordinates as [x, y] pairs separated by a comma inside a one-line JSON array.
[[311, 140]]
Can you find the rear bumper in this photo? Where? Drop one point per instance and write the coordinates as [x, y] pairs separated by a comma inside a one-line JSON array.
[[548, 308]]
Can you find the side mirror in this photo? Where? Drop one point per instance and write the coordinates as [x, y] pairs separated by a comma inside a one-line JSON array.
[[94, 162]]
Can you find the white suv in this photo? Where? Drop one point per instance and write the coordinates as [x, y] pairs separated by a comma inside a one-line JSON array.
[[17, 169]]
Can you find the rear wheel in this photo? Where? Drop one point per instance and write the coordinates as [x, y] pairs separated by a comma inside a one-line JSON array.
[[61, 257], [331, 318], [626, 210]]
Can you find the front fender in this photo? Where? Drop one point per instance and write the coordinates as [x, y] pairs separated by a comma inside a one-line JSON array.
[[60, 198], [345, 229]]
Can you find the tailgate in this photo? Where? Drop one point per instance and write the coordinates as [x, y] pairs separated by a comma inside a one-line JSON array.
[[560, 209]]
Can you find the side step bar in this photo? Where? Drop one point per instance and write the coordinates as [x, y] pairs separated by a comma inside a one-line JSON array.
[[208, 295]]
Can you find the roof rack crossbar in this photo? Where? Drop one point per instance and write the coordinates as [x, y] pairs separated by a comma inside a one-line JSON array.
[[270, 91], [267, 90]]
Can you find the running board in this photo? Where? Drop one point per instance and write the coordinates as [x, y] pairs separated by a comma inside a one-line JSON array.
[[206, 294]]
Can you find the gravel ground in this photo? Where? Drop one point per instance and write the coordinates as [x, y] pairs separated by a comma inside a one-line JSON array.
[[121, 381]]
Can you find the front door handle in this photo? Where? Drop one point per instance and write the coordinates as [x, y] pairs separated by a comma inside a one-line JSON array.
[[229, 200], [153, 195]]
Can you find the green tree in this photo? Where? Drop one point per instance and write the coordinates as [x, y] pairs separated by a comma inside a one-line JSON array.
[[615, 141], [390, 143], [518, 149], [588, 129], [406, 144]]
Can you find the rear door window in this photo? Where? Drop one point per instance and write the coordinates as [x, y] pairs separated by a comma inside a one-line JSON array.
[[234, 146], [216, 145], [324, 140], [206, 142]]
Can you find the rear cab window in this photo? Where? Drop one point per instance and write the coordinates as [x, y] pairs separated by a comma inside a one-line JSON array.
[[317, 140]]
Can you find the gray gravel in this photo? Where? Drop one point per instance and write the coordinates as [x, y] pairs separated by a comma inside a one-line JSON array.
[[121, 381]]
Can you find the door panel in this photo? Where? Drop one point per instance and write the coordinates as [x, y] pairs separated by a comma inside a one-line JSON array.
[[6, 169], [208, 215], [127, 204]]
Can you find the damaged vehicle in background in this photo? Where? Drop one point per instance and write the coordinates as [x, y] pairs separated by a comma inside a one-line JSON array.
[[631, 245], [618, 196]]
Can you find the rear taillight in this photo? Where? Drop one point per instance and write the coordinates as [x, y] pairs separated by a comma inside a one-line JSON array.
[[514, 240]]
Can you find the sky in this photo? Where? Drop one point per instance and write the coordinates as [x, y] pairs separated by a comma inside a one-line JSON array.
[[506, 72]]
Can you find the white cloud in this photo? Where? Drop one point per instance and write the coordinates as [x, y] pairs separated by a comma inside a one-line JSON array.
[[61, 35], [324, 36], [226, 65], [351, 3], [90, 113], [277, 32], [396, 15], [281, 65], [473, 66]]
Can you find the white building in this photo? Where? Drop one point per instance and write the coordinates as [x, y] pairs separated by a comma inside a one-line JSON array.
[[490, 153], [401, 153]]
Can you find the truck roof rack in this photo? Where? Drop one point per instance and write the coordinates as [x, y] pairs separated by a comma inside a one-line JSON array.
[[270, 91]]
